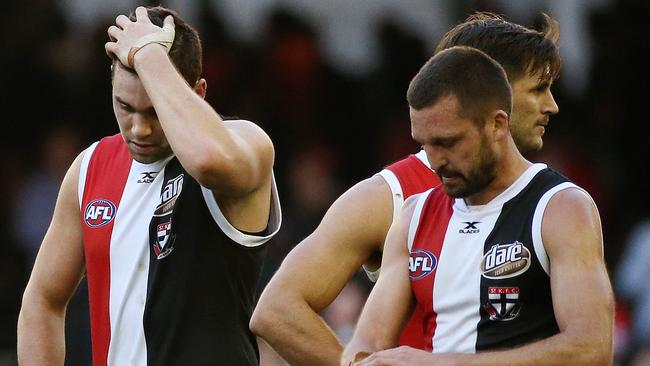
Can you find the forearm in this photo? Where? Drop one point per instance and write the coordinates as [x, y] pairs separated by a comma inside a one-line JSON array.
[[41, 335], [190, 124], [560, 349], [298, 334]]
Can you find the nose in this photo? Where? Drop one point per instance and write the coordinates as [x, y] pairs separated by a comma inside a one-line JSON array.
[[436, 158], [141, 127], [549, 106]]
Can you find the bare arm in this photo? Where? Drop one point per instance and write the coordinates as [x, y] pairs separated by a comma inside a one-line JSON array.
[[316, 271], [233, 159], [391, 301], [56, 274], [582, 297]]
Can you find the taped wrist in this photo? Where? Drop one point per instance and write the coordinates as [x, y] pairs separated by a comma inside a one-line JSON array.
[[165, 38]]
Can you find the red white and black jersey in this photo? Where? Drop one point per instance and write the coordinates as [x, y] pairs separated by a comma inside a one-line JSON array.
[[171, 282], [481, 273], [406, 177]]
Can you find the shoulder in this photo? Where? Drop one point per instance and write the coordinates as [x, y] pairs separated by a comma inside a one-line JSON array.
[[369, 197], [245, 128], [571, 221], [573, 203]]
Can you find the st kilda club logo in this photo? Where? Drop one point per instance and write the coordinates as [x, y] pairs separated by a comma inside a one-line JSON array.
[[99, 212], [161, 235]]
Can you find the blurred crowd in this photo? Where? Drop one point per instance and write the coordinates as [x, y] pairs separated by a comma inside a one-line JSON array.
[[331, 128]]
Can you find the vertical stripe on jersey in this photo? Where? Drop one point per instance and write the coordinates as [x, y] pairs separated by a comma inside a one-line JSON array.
[[130, 265], [102, 165], [433, 230]]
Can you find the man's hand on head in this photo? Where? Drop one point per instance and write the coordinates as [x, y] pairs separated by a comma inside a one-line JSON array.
[[128, 37]]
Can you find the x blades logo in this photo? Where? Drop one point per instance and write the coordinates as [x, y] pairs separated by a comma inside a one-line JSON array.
[[470, 227], [147, 177]]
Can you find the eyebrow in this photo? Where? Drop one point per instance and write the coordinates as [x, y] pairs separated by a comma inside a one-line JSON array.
[[122, 101]]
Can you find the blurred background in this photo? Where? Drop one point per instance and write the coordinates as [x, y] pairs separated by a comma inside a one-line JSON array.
[[326, 79]]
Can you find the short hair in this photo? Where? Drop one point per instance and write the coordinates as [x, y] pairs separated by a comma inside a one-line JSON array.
[[186, 52], [518, 49], [479, 83]]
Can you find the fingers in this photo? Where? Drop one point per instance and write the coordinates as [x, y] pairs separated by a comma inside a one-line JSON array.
[[113, 32], [141, 14], [168, 23], [110, 48], [122, 21]]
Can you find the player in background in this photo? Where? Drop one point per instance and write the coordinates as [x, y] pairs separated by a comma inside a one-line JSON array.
[[506, 257], [352, 232]]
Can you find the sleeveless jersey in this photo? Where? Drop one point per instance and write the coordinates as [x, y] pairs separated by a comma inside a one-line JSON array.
[[407, 177], [170, 281], [481, 273]]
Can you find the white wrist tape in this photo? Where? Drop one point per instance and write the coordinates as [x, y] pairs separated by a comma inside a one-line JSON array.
[[165, 38]]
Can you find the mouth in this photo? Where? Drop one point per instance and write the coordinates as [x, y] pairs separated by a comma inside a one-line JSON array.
[[142, 147]]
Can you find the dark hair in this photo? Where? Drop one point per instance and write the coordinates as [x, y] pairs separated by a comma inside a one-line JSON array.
[[186, 52], [479, 83], [518, 49]]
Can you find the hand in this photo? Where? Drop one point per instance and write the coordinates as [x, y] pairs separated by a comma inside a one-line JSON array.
[[129, 37], [396, 357]]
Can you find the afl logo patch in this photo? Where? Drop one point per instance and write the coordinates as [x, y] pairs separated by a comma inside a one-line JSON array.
[[99, 212], [421, 263]]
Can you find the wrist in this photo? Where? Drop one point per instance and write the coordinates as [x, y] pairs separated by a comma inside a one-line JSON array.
[[140, 55]]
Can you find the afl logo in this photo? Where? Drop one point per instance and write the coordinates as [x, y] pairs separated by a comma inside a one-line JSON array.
[[421, 263], [99, 212]]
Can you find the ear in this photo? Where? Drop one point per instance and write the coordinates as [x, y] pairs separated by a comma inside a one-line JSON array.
[[500, 121], [201, 87]]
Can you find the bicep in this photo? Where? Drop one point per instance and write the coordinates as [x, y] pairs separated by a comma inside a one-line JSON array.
[[582, 295], [249, 161], [60, 261]]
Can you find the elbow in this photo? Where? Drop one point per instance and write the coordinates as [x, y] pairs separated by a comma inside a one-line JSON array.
[[599, 353], [264, 319]]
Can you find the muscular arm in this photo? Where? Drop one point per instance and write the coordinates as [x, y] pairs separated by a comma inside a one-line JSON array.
[[316, 271], [391, 300], [233, 159], [56, 274], [582, 297]]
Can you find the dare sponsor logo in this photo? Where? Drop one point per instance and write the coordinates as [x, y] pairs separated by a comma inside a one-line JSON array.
[[421, 263], [505, 260], [99, 212]]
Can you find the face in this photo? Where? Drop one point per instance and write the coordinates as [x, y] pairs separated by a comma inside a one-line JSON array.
[[137, 119], [457, 148], [533, 104]]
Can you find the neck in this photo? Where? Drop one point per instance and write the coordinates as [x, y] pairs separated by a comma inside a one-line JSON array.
[[510, 167]]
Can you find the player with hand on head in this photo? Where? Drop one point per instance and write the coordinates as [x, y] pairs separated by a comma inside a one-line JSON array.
[[168, 218], [528, 285], [353, 231]]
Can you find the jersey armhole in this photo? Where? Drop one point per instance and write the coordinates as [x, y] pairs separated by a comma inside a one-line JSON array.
[[395, 189], [536, 228], [239, 237], [415, 218], [83, 171]]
